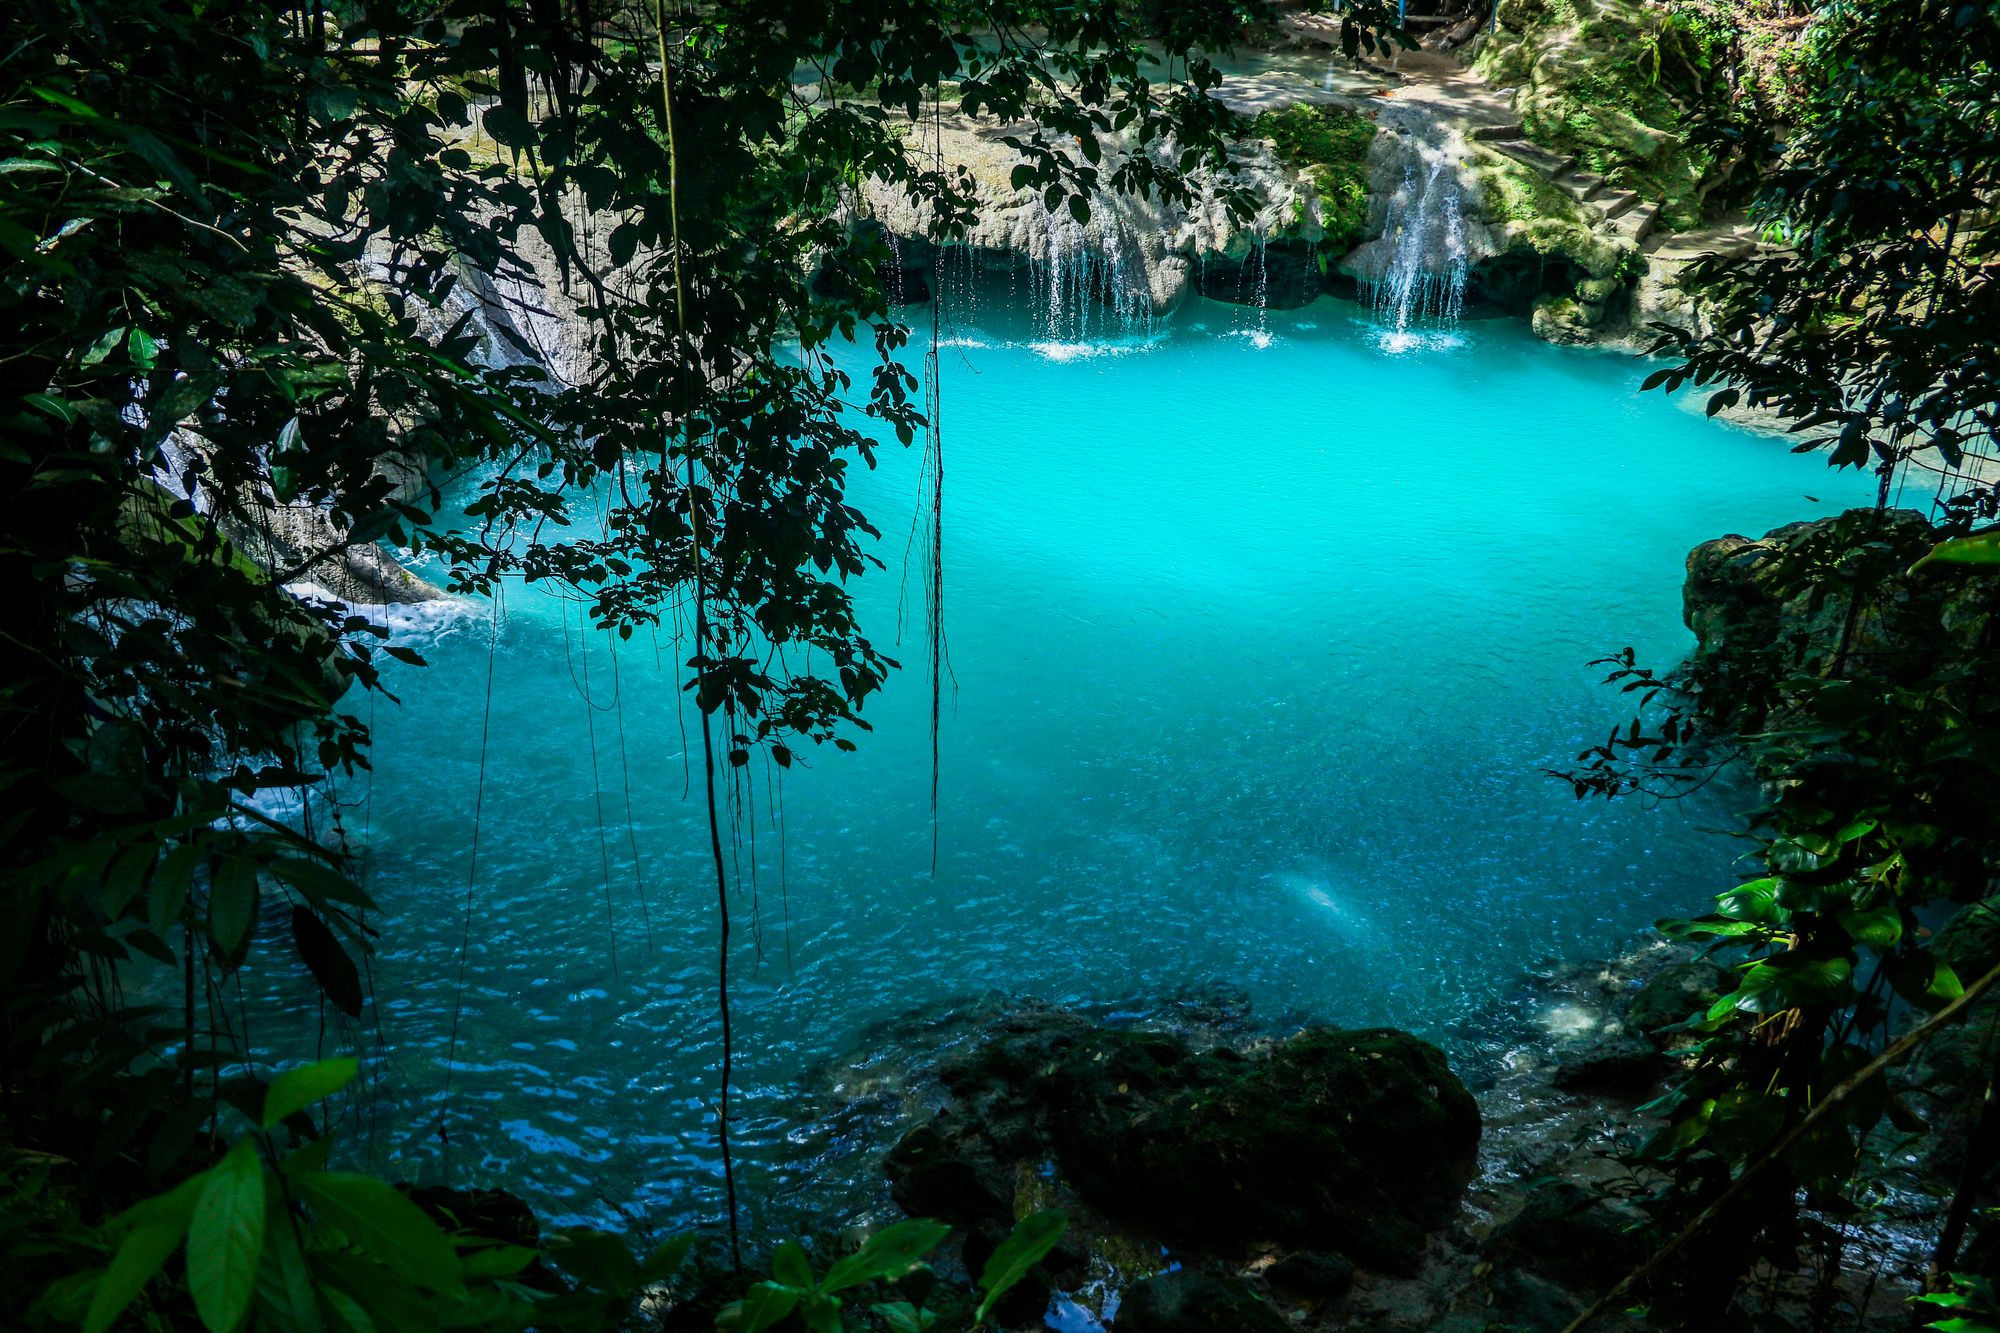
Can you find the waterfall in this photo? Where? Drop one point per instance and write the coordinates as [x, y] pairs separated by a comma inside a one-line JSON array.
[[1423, 275], [1262, 337], [1086, 289]]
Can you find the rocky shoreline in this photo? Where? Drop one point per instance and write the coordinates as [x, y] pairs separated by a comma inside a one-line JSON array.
[[1219, 1173]]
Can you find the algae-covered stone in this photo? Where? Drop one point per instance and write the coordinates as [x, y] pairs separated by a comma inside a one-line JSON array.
[[1362, 1138], [1612, 82], [1187, 1302], [1676, 993], [1328, 145], [1970, 941], [1563, 319], [930, 1177]]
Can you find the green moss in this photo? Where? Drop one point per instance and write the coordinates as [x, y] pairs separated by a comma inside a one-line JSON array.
[[1329, 147], [1615, 83], [1516, 192]]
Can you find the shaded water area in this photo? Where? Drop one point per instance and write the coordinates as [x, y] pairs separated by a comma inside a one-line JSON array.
[[1262, 632]]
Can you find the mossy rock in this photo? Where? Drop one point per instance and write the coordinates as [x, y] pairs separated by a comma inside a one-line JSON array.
[[1613, 82], [1563, 319], [929, 1176], [1187, 1302], [1363, 1138], [1328, 146], [1970, 941], [1676, 993]]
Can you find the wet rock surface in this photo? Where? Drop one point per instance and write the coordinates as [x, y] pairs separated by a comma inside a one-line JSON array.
[[1364, 1138], [1764, 610], [1194, 1303], [1003, 1107]]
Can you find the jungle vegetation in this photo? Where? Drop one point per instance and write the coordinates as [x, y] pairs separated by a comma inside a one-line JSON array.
[[232, 232], [1870, 335]]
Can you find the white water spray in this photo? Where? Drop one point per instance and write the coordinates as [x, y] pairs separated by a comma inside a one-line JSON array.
[[1087, 288], [1423, 282]]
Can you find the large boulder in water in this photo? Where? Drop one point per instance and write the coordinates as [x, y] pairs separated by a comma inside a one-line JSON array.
[[1361, 1141]]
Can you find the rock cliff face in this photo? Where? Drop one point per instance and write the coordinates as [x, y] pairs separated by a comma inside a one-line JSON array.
[[1138, 258], [1448, 204], [1787, 603]]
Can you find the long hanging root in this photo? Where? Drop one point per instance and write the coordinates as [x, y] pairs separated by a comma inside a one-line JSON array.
[[700, 656]]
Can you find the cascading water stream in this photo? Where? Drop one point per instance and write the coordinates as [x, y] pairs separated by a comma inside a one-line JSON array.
[[1423, 282], [1087, 290], [1262, 336]]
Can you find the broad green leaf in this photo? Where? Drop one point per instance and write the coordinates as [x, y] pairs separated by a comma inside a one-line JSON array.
[[385, 1224], [820, 1313], [762, 1306], [1032, 1238], [1981, 548], [1877, 927], [790, 1266], [491, 1261], [327, 961], [347, 1311], [1858, 829], [903, 1317], [286, 1300], [232, 907], [664, 1262], [225, 1239], [296, 1089], [890, 1252], [1755, 901], [157, 1226], [1787, 983], [599, 1259], [104, 346]]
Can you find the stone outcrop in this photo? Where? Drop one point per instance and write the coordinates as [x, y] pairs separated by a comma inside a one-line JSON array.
[[303, 544], [1810, 596], [1187, 1302], [1140, 257], [1359, 1139], [1609, 82]]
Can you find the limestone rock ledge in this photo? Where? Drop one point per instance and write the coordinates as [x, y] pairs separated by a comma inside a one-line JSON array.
[[1440, 194]]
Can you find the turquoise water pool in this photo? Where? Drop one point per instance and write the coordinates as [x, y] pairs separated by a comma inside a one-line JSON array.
[[1262, 633]]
